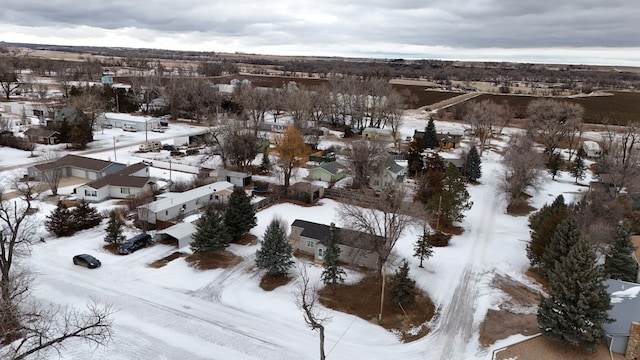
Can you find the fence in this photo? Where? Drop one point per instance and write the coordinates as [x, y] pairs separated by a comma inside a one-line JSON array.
[[268, 201]]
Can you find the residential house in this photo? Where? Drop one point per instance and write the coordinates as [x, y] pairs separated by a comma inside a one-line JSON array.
[[127, 182], [42, 136], [623, 334], [372, 133], [170, 206], [78, 166], [237, 178], [391, 174], [592, 149], [329, 172], [357, 248], [70, 116], [448, 140], [457, 162]]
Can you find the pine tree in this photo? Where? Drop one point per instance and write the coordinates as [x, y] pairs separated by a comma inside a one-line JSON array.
[[577, 305], [430, 135], [332, 273], [265, 165], [85, 216], [454, 198], [578, 168], [543, 224], [619, 263], [114, 229], [564, 238], [554, 164], [211, 234], [473, 165], [402, 289], [422, 248], [415, 163], [60, 222], [240, 215], [275, 253]]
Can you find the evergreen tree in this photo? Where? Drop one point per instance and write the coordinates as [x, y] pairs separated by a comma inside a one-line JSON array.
[[430, 135], [619, 263], [332, 272], [422, 248], [564, 238], [85, 216], [114, 229], [240, 215], [60, 222], [402, 289], [554, 164], [578, 168], [473, 165], [415, 163], [211, 234], [275, 253], [454, 198], [265, 165], [577, 305], [543, 224]]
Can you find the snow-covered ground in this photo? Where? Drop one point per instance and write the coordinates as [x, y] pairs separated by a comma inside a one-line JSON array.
[[176, 312]]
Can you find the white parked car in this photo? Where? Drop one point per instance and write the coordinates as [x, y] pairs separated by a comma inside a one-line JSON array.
[[131, 128]]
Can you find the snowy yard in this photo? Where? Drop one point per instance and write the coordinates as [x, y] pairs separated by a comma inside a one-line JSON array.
[[176, 312]]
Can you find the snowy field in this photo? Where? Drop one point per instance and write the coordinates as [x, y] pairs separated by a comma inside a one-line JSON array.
[[176, 312]]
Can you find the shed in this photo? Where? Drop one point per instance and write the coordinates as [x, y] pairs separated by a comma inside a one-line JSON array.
[[371, 133], [329, 172], [119, 120], [625, 310], [235, 177], [180, 232], [592, 149]]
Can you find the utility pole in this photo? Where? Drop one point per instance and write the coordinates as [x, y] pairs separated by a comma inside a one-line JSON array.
[[382, 294], [115, 156]]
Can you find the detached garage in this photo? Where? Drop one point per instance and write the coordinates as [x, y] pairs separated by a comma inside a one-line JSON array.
[[180, 233]]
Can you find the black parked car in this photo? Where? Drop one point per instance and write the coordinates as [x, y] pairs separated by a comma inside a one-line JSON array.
[[168, 147], [176, 153], [86, 261], [192, 151], [135, 243]]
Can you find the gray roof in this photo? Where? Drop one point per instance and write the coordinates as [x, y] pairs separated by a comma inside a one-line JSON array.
[[625, 299], [178, 199], [45, 133], [394, 167], [76, 161], [333, 167], [123, 178], [347, 237]]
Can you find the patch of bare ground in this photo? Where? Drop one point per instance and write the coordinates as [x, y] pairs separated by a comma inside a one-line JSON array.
[[362, 299], [247, 239], [215, 260], [112, 248], [272, 282], [521, 207], [542, 347], [167, 259], [516, 315]]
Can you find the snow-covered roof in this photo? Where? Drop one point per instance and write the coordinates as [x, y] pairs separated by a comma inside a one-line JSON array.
[[625, 304], [128, 117], [181, 198], [591, 145], [179, 230]]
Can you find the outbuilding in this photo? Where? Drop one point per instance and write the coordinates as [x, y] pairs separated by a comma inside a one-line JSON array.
[[592, 149], [181, 233]]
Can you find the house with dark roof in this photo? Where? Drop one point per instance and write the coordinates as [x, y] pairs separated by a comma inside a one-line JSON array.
[[329, 172], [78, 166], [357, 248], [42, 136], [623, 333], [448, 140], [120, 185], [70, 115], [391, 174]]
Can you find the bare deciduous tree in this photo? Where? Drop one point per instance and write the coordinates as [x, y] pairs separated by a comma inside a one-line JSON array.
[[485, 117], [553, 122], [306, 299], [521, 168], [620, 161], [366, 157], [52, 176], [383, 224]]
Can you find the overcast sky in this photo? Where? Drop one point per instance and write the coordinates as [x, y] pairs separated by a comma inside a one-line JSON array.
[[556, 31]]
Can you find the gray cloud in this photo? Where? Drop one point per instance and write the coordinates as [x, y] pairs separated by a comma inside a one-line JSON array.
[[334, 24]]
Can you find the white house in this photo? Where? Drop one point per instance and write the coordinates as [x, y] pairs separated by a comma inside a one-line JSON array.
[[391, 175], [592, 149], [170, 206], [123, 184], [119, 120], [372, 133]]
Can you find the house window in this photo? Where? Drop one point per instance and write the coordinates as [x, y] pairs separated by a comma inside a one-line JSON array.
[[166, 213], [184, 207], [210, 197], [310, 243], [320, 253], [124, 190], [92, 193], [217, 197]]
